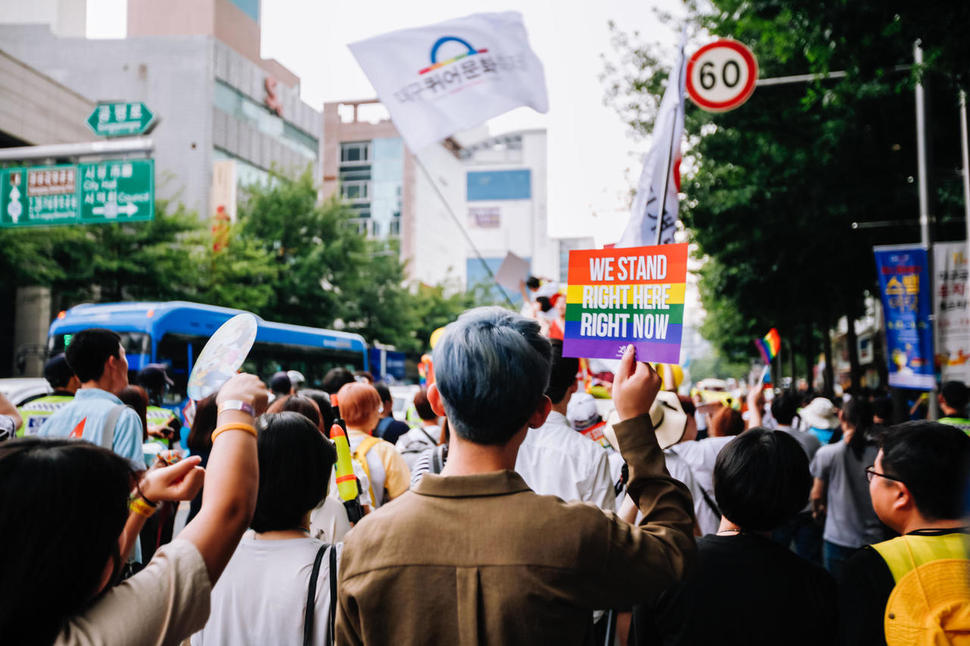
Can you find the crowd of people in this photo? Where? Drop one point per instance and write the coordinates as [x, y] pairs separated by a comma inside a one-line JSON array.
[[510, 511]]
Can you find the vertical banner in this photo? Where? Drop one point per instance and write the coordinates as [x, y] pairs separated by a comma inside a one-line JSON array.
[[627, 295], [904, 285], [953, 319]]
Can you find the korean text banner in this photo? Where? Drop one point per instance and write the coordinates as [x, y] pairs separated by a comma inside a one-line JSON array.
[[453, 75], [621, 296], [952, 315], [904, 284]]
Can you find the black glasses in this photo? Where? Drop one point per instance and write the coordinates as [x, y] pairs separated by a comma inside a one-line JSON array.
[[871, 473]]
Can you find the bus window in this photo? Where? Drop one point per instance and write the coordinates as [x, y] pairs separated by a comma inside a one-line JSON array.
[[134, 343], [174, 351]]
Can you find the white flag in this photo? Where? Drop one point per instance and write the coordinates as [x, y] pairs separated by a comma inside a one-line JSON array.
[[453, 75], [660, 164]]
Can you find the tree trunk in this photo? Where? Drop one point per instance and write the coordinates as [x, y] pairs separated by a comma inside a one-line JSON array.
[[809, 355], [828, 378], [852, 341]]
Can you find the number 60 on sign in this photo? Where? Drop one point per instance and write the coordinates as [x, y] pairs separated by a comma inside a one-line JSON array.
[[721, 75]]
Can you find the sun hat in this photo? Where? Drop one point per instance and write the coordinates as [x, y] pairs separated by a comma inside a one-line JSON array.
[[930, 606], [820, 413], [581, 412], [667, 416]]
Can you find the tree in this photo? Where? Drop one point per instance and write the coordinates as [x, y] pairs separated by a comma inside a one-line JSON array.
[[774, 187]]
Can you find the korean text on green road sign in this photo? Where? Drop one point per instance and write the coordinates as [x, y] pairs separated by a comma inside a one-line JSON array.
[[106, 191], [120, 119]]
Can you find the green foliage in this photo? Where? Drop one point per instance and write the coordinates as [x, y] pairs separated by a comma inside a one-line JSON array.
[[772, 188]]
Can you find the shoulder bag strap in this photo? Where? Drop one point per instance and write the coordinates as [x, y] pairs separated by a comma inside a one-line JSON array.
[[108, 430], [710, 502], [333, 595], [311, 597], [437, 464], [428, 435]]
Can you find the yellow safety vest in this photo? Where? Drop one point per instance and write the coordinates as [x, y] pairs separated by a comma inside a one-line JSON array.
[[36, 412]]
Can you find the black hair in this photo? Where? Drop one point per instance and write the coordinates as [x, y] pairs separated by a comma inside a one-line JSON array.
[[304, 406], [383, 391], [544, 303], [295, 461], [322, 400], [63, 505], [136, 398], [280, 384], [882, 407], [58, 372], [366, 375], [532, 282], [956, 395], [562, 375], [687, 404], [89, 350], [204, 422], [857, 412], [423, 407], [761, 479], [784, 406], [335, 379], [933, 461]]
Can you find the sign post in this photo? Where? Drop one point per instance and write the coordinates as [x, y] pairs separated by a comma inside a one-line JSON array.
[[119, 119], [721, 75]]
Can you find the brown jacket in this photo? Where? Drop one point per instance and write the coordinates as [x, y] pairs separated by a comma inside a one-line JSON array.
[[481, 559]]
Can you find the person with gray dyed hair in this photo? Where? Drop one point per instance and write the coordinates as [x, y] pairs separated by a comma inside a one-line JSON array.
[[489, 554]]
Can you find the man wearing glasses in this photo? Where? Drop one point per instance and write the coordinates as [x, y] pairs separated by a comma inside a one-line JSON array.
[[914, 588]]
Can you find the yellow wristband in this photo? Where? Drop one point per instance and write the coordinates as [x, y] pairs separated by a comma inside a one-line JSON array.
[[236, 426], [141, 507]]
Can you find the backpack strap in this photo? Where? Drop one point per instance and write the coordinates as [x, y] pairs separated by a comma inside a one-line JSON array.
[[331, 637], [311, 594], [108, 429], [360, 454], [433, 441], [710, 502], [437, 459]]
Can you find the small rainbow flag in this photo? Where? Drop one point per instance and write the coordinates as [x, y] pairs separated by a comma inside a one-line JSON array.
[[622, 296], [769, 345]]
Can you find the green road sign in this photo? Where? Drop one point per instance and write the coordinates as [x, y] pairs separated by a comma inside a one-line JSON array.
[[117, 191], [120, 119], [105, 191]]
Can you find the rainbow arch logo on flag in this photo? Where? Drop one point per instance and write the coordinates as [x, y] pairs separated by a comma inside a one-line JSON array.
[[435, 64]]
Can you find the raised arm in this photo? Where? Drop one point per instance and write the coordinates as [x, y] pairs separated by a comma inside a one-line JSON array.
[[232, 477]]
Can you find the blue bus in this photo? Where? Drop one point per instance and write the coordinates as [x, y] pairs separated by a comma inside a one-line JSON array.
[[175, 332]]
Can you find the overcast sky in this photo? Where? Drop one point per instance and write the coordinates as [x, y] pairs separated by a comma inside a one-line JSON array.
[[593, 160]]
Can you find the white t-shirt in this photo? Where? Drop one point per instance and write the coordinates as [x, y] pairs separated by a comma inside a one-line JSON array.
[[261, 596], [700, 456], [163, 604], [678, 468]]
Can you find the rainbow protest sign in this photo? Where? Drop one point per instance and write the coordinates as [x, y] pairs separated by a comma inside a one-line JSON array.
[[621, 296]]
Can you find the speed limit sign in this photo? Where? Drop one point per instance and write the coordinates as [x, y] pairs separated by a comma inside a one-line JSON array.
[[721, 75]]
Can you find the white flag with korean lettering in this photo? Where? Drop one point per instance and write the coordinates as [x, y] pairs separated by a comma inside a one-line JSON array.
[[454, 75], [660, 164]]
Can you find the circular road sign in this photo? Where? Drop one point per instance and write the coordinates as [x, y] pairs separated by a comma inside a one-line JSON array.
[[721, 75]]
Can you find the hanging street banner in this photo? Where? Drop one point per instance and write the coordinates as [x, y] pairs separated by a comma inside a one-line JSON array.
[[118, 119], [952, 315], [904, 285], [90, 193], [661, 165], [453, 75], [620, 296]]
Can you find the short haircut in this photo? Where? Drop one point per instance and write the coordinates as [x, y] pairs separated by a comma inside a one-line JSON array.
[[727, 421], [89, 350], [933, 461], [562, 373], [295, 462], [335, 378], [956, 395], [297, 404], [58, 372], [322, 400], [56, 551], [357, 402], [423, 407], [784, 407], [280, 384], [492, 369], [761, 479], [532, 282], [383, 391]]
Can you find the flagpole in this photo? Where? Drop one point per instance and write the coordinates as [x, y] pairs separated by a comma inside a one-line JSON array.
[[670, 151], [461, 228]]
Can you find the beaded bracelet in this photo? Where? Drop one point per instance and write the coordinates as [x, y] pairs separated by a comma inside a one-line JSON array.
[[142, 508], [236, 426]]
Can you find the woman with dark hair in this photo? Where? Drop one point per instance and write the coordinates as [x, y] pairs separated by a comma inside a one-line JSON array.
[[322, 400], [745, 589], [840, 493], [136, 398], [200, 441], [296, 404], [68, 526], [262, 596]]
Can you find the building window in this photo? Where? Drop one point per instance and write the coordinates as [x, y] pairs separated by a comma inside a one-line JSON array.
[[238, 105], [355, 152], [355, 191], [499, 185]]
